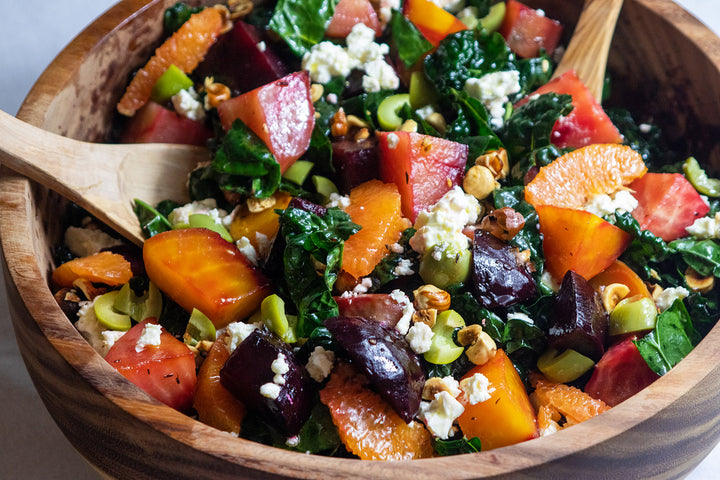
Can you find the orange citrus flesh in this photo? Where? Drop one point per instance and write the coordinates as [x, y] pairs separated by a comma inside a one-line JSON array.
[[553, 399], [105, 267], [185, 49], [367, 424], [618, 272], [376, 207], [571, 179]]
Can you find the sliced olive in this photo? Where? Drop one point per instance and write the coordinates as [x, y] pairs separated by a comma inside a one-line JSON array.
[[107, 315], [699, 179], [563, 367], [422, 91], [446, 270], [272, 311], [324, 186], [199, 328], [492, 21], [443, 349], [388, 109], [201, 220], [170, 83], [139, 307], [298, 171], [633, 315]]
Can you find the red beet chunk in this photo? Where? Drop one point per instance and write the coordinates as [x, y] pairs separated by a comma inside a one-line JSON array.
[[355, 163]]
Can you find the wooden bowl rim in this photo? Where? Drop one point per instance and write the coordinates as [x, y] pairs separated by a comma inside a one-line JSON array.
[[677, 383]]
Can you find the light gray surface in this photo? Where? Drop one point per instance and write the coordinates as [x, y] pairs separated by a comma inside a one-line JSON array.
[[32, 32]]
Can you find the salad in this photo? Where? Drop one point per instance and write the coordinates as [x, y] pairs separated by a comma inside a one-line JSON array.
[[411, 240]]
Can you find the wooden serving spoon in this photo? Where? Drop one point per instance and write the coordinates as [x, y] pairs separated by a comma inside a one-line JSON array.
[[104, 179], [587, 51]]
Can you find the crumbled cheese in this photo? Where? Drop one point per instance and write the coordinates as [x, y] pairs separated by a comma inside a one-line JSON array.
[[237, 333], [520, 316], [186, 103], [668, 296], [338, 201], [279, 367], [261, 46], [402, 299], [150, 337], [364, 285], [441, 225], [493, 90], [419, 337], [385, 11], [440, 414], [88, 325], [477, 388], [548, 280], [403, 268], [393, 140], [180, 217], [109, 338], [705, 227], [84, 242], [326, 60], [645, 127], [263, 243], [452, 385], [320, 363], [293, 441], [270, 390], [604, 205], [247, 249], [425, 111], [332, 98], [396, 248], [452, 6]]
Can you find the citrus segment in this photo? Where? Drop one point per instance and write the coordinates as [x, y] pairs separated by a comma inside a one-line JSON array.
[[105, 267], [571, 179], [552, 398], [185, 49], [376, 207], [619, 272], [367, 425]]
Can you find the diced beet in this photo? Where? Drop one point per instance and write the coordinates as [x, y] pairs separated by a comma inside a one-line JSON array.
[[354, 162], [499, 278], [385, 357], [308, 206], [380, 307], [579, 319], [249, 368], [242, 59]]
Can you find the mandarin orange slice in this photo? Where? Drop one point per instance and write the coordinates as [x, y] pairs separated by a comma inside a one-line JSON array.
[[367, 425], [574, 404], [572, 178], [105, 267], [185, 49]]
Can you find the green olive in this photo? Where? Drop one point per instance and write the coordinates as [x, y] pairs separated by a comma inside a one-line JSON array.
[[388, 109], [324, 186], [272, 310], [170, 83], [632, 315], [107, 315], [448, 270], [201, 220], [563, 367], [492, 21], [422, 91], [298, 171], [443, 349], [139, 307], [199, 327], [699, 179]]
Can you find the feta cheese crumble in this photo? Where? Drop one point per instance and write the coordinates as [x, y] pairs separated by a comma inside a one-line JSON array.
[[440, 414], [320, 363], [403, 300], [150, 337], [477, 388], [180, 217], [237, 333], [109, 339], [186, 103], [705, 227], [604, 205], [668, 296], [84, 242], [419, 337], [270, 390], [338, 201], [247, 249], [493, 90], [393, 140], [279, 367], [403, 268]]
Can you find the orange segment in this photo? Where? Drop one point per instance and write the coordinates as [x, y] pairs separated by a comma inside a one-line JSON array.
[[618, 272], [367, 425], [186, 48], [376, 206], [104, 267], [214, 404], [572, 178], [551, 399]]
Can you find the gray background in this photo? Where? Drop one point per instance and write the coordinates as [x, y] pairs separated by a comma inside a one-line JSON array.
[[32, 32]]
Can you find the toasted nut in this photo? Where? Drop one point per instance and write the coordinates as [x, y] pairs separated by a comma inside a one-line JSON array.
[[469, 335], [427, 316], [655, 291], [430, 296], [409, 125], [361, 134], [496, 161], [355, 121], [697, 282], [479, 182], [435, 385], [260, 204], [204, 346], [504, 223], [216, 93], [612, 294], [316, 92], [482, 351], [437, 121], [339, 124], [87, 288], [239, 8], [522, 256]]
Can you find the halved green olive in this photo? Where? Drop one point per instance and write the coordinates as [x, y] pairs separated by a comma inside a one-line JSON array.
[[443, 349], [633, 315], [107, 315], [201, 220], [388, 109], [170, 83], [563, 367], [298, 171], [699, 179], [446, 270], [139, 307], [199, 328], [273, 316]]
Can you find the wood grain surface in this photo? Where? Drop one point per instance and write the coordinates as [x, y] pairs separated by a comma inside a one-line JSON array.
[[659, 52]]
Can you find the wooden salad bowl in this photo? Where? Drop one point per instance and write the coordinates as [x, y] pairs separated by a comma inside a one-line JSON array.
[[662, 60]]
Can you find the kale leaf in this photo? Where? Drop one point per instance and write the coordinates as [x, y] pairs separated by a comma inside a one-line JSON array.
[[176, 15], [409, 42], [152, 221], [471, 126], [456, 446], [302, 23], [701, 255]]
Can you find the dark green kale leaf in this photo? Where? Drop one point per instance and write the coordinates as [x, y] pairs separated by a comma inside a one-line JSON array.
[[701, 255], [176, 15], [311, 239], [411, 45], [366, 105], [471, 126], [672, 339], [464, 303], [152, 221], [647, 141], [302, 23], [456, 446]]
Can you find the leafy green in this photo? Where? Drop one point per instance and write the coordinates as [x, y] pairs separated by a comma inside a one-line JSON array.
[[672, 339], [647, 141], [302, 23], [411, 45], [463, 302], [311, 239], [365, 105], [318, 434], [646, 250], [244, 164], [702, 255], [151, 220], [457, 446], [176, 15], [471, 126]]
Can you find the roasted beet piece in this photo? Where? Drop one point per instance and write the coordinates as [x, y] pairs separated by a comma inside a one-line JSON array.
[[380, 307], [385, 357], [499, 278], [250, 367], [579, 319], [354, 162]]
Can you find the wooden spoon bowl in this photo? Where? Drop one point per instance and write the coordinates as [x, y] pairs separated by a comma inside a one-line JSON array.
[[660, 52]]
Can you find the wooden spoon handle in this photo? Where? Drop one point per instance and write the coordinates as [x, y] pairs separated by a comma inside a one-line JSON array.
[[587, 52]]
